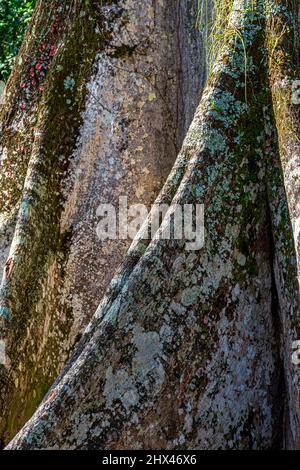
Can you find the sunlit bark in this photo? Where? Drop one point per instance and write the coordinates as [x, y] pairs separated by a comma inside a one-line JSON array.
[[95, 108], [187, 349]]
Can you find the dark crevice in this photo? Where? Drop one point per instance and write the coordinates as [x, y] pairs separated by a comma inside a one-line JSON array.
[[279, 386]]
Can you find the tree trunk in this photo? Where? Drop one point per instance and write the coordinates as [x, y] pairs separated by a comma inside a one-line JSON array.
[[191, 349], [283, 187], [96, 108]]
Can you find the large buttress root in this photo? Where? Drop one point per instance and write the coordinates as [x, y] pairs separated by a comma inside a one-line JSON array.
[[183, 351], [283, 43], [93, 110]]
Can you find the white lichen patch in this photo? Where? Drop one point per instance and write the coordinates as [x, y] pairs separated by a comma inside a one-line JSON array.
[[148, 356], [120, 386], [238, 378], [127, 143], [3, 359]]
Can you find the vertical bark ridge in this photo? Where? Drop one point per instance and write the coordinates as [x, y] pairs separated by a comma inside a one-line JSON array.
[[198, 324], [283, 180], [33, 323], [90, 108]]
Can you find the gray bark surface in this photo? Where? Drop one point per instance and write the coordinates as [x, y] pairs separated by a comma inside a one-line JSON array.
[[96, 108], [183, 351]]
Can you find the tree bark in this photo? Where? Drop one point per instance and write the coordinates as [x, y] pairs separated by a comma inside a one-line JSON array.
[[283, 188], [96, 107], [192, 350]]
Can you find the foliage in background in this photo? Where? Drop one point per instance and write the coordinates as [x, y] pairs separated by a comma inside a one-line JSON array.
[[14, 16], [211, 21]]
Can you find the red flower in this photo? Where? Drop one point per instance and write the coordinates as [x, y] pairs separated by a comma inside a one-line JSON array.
[[38, 66]]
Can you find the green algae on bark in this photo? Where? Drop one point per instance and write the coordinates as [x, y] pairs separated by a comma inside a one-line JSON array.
[[283, 188], [59, 293], [183, 351], [32, 277]]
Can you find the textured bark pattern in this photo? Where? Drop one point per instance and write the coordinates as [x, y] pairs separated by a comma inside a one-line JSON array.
[[183, 351], [34, 157], [284, 185], [134, 124], [65, 149]]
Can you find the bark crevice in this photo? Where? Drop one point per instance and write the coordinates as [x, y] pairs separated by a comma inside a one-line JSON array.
[[183, 351]]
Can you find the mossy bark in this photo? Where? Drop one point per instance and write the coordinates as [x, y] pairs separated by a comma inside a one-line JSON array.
[[92, 84], [184, 351], [283, 29], [61, 43]]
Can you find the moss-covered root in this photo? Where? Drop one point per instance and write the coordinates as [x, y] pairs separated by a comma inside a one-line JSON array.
[[283, 46], [45, 97], [185, 355]]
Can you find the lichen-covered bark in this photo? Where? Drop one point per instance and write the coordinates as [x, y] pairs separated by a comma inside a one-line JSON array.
[[183, 350], [36, 147], [93, 110], [134, 123]]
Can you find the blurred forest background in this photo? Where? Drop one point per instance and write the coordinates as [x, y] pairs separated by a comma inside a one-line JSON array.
[[14, 16]]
